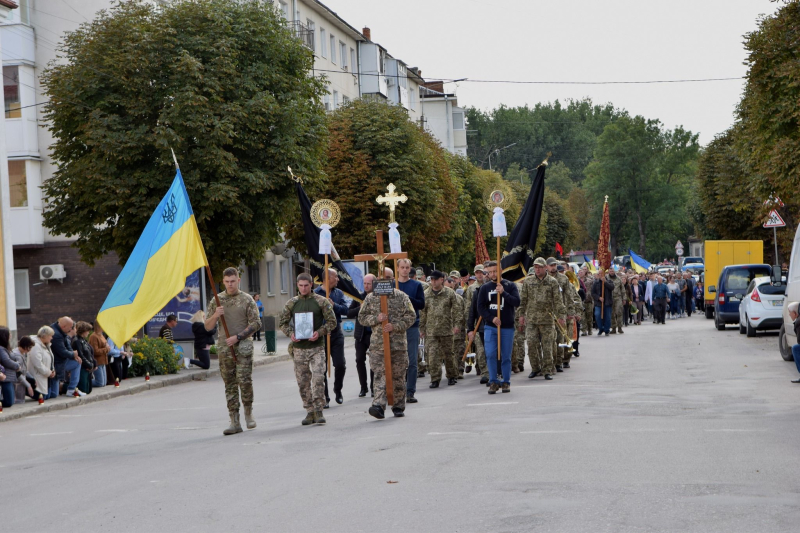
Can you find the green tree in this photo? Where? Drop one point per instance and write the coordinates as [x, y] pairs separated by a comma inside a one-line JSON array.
[[558, 179], [556, 227], [516, 174], [222, 83], [373, 144]]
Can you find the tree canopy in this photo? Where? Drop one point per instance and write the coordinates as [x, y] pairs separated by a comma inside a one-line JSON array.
[[224, 84]]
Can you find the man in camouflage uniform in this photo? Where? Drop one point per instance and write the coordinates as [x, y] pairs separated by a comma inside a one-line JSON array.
[[400, 316], [577, 309], [518, 351], [235, 352], [460, 338], [588, 302], [472, 317], [309, 354], [563, 284], [438, 322], [540, 300], [618, 301]]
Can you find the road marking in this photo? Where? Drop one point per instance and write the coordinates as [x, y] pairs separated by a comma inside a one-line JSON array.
[[115, 430], [452, 433], [727, 430], [192, 428], [550, 431], [48, 434], [490, 403]]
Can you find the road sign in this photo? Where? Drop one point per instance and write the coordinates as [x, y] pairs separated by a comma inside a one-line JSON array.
[[774, 220], [679, 248]]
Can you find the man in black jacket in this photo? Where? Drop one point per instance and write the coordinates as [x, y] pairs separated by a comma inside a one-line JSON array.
[[65, 358], [502, 293], [361, 335], [602, 301]]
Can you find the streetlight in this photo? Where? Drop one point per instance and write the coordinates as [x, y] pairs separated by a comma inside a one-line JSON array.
[[497, 152]]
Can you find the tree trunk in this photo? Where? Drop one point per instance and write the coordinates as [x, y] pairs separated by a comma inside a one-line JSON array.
[[642, 235]]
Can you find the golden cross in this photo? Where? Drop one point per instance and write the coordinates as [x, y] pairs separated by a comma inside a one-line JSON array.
[[606, 198], [392, 200]]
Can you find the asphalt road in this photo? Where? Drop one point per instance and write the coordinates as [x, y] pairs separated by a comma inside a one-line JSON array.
[[665, 428]]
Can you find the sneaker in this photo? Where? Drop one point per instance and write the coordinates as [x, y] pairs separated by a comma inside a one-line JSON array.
[[506, 387], [493, 388]]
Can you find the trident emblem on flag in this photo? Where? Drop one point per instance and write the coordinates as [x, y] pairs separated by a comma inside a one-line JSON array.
[[170, 210]]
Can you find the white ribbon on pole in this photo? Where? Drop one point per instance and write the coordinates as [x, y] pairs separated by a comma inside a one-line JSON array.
[[499, 223], [394, 239], [325, 242]]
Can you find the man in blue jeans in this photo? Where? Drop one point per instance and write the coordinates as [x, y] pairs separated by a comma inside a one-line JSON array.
[[65, 358], [416, 294], [602, 302], [492, 294]]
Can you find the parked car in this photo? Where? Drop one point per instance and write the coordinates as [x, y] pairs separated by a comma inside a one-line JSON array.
[[786, 337], [695, 269], [691, 259], [730, 289], [762, 306]]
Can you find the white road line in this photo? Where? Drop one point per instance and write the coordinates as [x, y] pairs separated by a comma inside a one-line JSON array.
[[115, 430], [549, 432], [727, 430], [452, 433], [48, 434], [490, 403], [192, 428]]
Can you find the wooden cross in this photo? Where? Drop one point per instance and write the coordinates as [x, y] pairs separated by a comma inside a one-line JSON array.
[[392, 200], [380, 257]]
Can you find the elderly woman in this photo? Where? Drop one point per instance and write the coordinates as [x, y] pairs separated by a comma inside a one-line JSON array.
[[100, 346], [40, 365], [81, 345]]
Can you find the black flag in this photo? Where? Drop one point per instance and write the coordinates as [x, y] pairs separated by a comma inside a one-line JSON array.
[[518, 256], [316, 259]]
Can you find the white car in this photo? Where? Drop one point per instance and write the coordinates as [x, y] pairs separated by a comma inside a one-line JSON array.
[[761, 306]]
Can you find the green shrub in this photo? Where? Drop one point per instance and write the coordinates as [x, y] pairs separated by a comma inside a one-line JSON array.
[[156, 356]]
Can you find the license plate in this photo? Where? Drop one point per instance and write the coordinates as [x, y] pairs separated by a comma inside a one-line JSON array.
[[777, 303]]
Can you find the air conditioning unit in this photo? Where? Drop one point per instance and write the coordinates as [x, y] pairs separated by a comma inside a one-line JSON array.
[[48, 272]]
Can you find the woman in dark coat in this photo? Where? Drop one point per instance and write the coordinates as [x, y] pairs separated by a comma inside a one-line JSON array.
[[203, 339], [86, 353]]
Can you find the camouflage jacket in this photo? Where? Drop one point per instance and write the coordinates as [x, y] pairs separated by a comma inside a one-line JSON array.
[[328, 318], [564, 285], [462, 321], [469, 296], [401, 316], [577, 304], [588, 281], [619, 290], [442, 312], [241, 313], [539, 298]]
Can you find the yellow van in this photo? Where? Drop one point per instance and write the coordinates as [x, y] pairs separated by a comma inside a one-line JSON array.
[[718, 255]]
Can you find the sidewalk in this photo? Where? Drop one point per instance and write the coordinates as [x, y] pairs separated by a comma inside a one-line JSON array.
[[137, 385]]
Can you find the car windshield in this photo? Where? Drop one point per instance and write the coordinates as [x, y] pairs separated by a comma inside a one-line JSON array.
[[739, 278]]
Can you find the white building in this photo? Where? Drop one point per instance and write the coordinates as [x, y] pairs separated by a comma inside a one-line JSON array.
[[443, 118]]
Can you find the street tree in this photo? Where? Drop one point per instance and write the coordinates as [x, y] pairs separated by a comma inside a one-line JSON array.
[[225, 84]]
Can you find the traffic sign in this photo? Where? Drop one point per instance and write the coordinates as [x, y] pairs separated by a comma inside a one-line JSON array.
[[679, 248], [774, 220]]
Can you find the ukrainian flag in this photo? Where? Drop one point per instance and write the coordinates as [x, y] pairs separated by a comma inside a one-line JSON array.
[[167, 252], [638, 263]]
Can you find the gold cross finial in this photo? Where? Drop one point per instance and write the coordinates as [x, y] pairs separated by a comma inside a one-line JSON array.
[[606, 198], [392, 200]]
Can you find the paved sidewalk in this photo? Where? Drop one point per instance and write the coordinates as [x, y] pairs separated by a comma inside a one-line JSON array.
[[137, 385]]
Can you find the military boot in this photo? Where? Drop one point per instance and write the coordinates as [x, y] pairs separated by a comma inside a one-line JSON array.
[[613, 331], [248, 417], [620, 330], [318, 418], [235, 426], [309, 419]]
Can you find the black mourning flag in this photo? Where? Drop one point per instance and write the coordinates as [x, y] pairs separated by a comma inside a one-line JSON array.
[[518, 256], [317, 260]]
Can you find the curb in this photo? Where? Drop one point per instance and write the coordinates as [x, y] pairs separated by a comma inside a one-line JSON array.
[[156, 382]]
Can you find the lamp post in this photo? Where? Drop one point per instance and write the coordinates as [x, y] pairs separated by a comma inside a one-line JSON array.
[[497, 152]]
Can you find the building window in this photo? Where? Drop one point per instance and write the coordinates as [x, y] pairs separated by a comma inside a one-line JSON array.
[[11, 91], [336, 99], [18, 183], [326, 99], [284, 277], [458, 120], [345, 100], [333, 49], [22, 288], [343, 54], [270, 277], [284, 8], [412, 100], [253, 279], [323, 44], [352, 60]]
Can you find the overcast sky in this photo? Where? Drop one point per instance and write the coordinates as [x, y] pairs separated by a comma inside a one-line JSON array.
[[575, 40]]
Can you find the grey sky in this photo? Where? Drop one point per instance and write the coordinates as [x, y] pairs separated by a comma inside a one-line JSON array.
[[575, 40]]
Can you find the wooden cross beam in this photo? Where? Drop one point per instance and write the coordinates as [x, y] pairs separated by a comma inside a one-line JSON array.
[[380, 257]]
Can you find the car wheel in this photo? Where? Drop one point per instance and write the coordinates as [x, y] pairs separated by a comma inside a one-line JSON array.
[[719, 325], [709, 312], [751, 331], [783, 346]]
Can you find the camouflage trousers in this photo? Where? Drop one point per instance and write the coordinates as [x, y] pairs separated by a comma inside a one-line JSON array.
[[518, 351], [616, 315], [309, 370], [438, 351], [540, 340], [459, 345], [588, 318], [480, 353], [399, 369], [237, 376]]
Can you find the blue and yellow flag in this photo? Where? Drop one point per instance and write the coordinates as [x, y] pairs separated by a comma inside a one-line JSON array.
[[167, 252], [638, 263]]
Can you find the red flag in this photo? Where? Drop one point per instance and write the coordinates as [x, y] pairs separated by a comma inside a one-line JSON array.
[[603, 251], [559, 249], [481, 253]]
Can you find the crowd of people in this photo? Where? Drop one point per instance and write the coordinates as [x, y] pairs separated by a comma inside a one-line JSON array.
[[65, 358]]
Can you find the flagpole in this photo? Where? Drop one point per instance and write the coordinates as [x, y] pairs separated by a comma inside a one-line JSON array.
[[327, 297], [499, 280], [211, 280]]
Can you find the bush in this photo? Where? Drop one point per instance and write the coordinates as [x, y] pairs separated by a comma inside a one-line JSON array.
[[156, 356]]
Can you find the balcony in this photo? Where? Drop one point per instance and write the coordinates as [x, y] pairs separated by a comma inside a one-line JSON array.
[[302, 32]]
